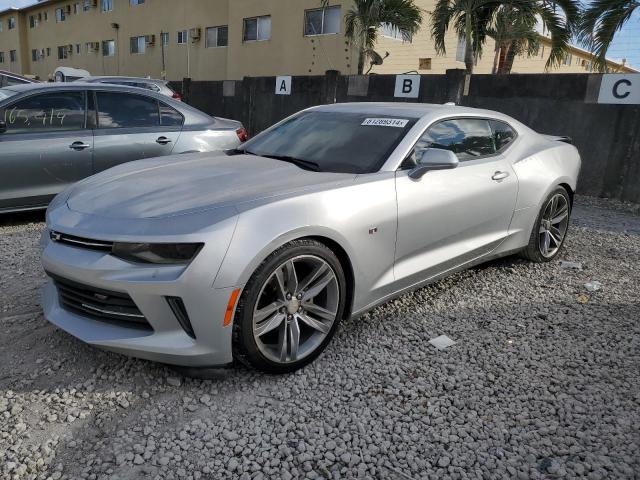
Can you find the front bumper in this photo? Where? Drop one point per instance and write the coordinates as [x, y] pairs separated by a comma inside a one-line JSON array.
[[148, 286]]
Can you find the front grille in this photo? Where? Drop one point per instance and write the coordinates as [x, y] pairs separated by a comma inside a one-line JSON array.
[[99, 304], [80, 242]]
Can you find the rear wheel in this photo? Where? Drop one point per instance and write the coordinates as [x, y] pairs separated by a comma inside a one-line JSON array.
[[290, 308], [550, 230]]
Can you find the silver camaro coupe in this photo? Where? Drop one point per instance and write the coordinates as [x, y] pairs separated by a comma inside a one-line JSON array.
[[257, 253]]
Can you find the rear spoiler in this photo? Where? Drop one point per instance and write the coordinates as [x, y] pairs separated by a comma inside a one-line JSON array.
[[559, 138]]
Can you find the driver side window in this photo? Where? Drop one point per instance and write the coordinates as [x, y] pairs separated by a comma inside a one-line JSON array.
[[468, 138]]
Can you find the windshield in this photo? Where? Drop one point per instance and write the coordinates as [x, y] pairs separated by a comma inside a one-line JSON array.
[[333, 141], [6, 93]]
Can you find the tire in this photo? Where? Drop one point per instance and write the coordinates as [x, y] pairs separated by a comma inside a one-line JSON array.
[[537, 250], [267, 322]]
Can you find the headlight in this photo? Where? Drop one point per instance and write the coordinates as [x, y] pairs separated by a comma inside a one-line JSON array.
[[166, 253]]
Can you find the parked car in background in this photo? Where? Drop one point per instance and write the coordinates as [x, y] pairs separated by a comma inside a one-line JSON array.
[[69, 74], [155, 85], [54, 134], [9, 78], [256, 254]]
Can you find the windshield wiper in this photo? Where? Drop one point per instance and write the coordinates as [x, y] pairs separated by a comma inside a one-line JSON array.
[[239, 151], [306, 164]]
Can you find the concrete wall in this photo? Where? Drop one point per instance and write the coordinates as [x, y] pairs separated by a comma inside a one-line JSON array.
[[608, 136]]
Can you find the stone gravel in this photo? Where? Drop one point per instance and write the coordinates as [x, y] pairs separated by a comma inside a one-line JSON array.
[[543, 382]]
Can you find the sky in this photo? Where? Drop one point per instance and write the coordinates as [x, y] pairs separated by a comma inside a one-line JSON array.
[[625, 45]]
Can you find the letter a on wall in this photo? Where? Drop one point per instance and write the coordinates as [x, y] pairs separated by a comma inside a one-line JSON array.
[[407, 86], [283, 86]]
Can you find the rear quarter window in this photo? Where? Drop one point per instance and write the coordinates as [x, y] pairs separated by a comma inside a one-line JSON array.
[[503, 134]]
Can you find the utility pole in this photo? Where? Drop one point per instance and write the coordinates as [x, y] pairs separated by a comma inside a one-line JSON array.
[[188, 53], [163, 75]]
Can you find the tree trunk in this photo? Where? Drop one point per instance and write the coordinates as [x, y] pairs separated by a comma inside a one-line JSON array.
[[468, 56], [468, 51], [361, 59], [511, 56], [496, 58], [503, 55]]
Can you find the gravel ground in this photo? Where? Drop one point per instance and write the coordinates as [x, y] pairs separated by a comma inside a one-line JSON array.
[[544, 382]]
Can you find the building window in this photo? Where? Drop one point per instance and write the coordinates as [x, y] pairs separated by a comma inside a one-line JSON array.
[[257, 29], [76, 8], [63, 52], [11, 23], [108, 48], [138, 45], [48, 51], [13, 56], [322, 21], [390, 31], [424, 64], [106, 5], [34, 55], [86, 5], [46, 16], [136, 2], [1, 57], [0, 25], [217, 36], [78, 48], [182, 37], [60, 16], [164, 38], [567, 59], [33, 21]]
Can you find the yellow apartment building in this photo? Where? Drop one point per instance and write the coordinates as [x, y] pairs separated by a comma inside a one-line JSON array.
[[223, 40]]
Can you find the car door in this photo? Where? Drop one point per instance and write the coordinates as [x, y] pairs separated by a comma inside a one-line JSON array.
[[450, 217], [45, 147], [131, 127]]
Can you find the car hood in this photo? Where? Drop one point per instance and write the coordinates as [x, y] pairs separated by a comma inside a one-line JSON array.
[[186, 184]]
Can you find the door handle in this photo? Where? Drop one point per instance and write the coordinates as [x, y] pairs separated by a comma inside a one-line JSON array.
[[499, 176], [79, 146], [163, 140]]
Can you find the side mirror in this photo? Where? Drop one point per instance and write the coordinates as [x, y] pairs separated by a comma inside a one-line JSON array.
[[3, 126], [433, 159]]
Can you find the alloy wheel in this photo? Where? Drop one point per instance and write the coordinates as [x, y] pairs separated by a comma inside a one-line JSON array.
[[553, 225], [296, 309]]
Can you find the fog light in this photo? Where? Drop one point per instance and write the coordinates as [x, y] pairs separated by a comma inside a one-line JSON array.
[[180, 311]]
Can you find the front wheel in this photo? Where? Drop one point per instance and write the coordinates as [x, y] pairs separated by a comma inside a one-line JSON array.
[[550, 230], [290, 308]]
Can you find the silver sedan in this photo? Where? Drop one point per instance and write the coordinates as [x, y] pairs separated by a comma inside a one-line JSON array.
[[52, 135], [256, 254]]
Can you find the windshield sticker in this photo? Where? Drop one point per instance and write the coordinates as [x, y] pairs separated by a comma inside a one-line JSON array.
[[386, 122]]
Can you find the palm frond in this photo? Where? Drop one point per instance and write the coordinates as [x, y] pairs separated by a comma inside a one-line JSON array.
[[600, 22]]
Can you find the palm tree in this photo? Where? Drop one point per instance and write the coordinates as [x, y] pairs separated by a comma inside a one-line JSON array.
[[473, 19], [364, 19], [513, 35], [470, 19], [600, 22]]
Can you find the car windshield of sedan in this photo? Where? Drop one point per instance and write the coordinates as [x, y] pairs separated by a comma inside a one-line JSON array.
[[6, 93], [333, 141]]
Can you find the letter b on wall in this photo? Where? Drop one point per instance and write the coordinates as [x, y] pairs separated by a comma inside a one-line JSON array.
[[407, 86]]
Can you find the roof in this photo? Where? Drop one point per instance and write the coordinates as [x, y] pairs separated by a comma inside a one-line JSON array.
[[9, 10], [591, 56], [124, 78], [413, 110]]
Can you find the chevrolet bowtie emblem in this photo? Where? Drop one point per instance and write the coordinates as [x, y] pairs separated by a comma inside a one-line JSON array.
[[55, 236]]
